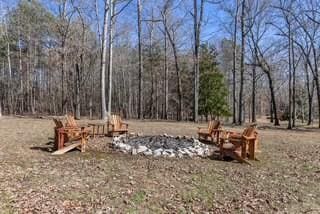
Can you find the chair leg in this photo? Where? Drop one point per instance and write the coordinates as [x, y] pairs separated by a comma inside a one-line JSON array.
[[83, 143], [237, 157], [252, 150]]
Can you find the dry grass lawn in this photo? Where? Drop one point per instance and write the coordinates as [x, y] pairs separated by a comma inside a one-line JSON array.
[[285, 180]]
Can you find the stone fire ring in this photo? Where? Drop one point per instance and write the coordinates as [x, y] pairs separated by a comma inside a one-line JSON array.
[[161, 145]]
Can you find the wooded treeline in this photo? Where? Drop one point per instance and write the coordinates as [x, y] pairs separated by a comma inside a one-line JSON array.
[[168, 59]]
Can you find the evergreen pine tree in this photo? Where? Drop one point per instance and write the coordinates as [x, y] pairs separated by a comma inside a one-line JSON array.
[[213, 91]]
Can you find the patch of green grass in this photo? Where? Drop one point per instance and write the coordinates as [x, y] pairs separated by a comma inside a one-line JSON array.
[[132, 210], [307, 167], [203, 189], [5, 204], [139, 197]]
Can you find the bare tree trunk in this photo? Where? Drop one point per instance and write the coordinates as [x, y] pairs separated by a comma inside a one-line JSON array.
[[310, 94], [294, 113], [10, 94], [179, 87], [318, 96], [178, 73], [234, 62], [63, 100], [153, 79], [80, 68], [110, 67], [62, 83], [197, 30], [273, 101], [290, 79], [140, 101], [316, 80], [77, 106], [243, 37], [21, 74], [166, 86], [103, 64], [130, 92], [271, 112], [253, 98]]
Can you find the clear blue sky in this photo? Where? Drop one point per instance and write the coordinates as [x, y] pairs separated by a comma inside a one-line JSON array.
[[212, 19]]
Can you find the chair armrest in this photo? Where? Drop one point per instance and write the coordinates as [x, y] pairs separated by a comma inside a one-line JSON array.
[[110, 124], [225, 135], [249, 138], [202, 127], [72, 128], [126, 124], [217, 130]]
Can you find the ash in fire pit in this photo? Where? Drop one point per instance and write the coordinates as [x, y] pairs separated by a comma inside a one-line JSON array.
[[161, 145]]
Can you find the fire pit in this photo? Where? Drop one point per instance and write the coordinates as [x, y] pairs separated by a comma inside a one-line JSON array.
[[161, 145]]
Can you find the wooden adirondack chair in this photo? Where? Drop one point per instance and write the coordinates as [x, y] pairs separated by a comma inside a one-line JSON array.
[[239, 146], [210, 133], [64, 134], [116, 125], [71, 123]]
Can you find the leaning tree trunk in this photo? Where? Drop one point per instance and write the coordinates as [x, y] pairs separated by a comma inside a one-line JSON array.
[[310, 94], [179, 84], [273, 100]]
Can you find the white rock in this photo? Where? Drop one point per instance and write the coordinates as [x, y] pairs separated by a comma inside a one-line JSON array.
[[141, 149], [182, 151], [170, 151], [188, 153], [134, 151], [172, 155], [147, 152], [200, 152], [123, 147], [180, 155], [157, 152]]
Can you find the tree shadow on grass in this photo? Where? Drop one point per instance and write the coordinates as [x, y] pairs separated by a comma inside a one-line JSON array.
[[48, 147], [283, 128]]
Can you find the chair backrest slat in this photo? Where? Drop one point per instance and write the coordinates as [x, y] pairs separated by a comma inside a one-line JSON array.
[[116, 121], [58, 123], [71, 121], [213, 124], [249, 131]]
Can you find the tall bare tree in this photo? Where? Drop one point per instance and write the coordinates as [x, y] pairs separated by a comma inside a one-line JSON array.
[[242, 58], [103, 62], [234, 63], [197, 22], [140, 99]]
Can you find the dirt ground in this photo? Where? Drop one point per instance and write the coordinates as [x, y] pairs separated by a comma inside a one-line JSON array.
[[285, 180]]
